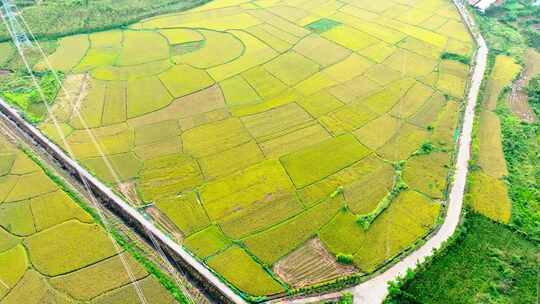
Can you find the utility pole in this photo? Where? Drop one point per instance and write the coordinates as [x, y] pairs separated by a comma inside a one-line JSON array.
[[18, 34]]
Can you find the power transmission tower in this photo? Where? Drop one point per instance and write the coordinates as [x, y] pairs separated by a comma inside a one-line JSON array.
[[16, 30]]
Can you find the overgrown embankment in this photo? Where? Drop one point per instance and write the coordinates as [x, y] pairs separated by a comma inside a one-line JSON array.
[[57, 18]]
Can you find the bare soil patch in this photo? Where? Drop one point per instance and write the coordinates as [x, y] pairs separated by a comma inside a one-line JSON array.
[[310, 264], [165, 222], [69, 100], [518, 99], [128, 189], [518, 102]]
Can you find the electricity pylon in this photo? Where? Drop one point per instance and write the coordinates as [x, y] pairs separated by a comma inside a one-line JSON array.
[[14, 27]]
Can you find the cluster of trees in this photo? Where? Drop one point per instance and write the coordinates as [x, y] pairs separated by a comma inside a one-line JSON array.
[[523, 16], [54, 18], [533, 89]]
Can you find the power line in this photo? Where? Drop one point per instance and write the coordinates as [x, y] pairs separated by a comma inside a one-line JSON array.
[[98, 147], [20, 39], [16, 33], [4, 284]]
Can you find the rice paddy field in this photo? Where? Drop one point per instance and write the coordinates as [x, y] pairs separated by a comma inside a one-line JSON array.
[[264, 130], [488, 189], [52, 251], [494, 257], [520, 137]]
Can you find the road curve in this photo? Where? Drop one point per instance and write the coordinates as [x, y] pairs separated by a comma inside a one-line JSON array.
[[372, 291], [375, 290]]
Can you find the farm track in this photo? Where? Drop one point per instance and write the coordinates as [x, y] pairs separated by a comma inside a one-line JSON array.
[[375, 290]]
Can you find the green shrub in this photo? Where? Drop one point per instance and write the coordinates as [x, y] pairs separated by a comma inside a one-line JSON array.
[[533, 90], [455, 57], [346, 259], [27, 98], [346, 298], [365, 220], [426, 148], [485, 262], [533, 37]]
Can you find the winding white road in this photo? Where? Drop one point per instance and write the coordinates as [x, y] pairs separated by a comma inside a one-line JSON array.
[[372, 291], [375, 290]]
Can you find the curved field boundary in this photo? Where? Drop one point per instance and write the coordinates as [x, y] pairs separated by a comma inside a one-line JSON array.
[[375, 290], [372, 291], [132, 218]]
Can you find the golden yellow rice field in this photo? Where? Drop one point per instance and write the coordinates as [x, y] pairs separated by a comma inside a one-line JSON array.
[[257, 126], [51, 250]]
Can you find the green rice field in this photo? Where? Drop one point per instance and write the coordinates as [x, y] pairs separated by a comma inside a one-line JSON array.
[[52, 251], [257, 128]]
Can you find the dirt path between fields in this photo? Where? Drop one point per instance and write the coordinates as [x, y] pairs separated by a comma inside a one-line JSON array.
[[518, 101], [375, 290]]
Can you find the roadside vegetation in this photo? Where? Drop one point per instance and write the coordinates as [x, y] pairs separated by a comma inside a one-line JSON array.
[[521, 144], [494, 256], [488, 263]]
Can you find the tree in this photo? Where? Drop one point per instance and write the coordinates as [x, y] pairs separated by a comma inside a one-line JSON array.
[[533, 90]]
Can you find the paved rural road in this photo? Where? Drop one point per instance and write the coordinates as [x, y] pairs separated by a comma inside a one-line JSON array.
[[370, 292], [375, 290]]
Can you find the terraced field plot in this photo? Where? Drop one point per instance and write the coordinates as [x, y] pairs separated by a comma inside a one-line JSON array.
[[52, 251], [256, 127], [488, 188]]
